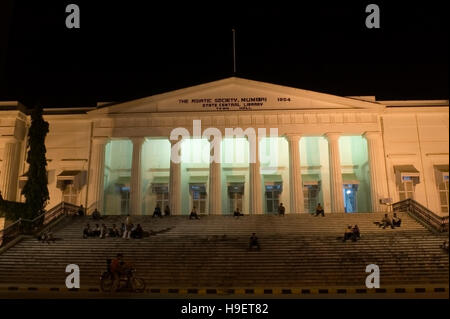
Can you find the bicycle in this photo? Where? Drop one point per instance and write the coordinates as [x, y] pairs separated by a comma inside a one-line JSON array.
[[127, 282]]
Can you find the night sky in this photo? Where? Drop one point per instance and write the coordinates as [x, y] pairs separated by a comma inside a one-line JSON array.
[[134, 49]]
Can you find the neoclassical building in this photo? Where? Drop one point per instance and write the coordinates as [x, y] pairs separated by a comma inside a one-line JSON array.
[[351, 154]]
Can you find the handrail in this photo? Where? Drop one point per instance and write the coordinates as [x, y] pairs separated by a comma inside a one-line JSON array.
[[31, 226], [423, 214]]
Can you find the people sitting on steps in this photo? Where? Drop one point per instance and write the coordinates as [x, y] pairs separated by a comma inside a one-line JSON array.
[[80, 211], [114, 231], [137, 232], [254, 243], [396, 221], [281, 209], [356, 232], [319, 210], [46, 237], [193, 214], [167, 211], [96, 215], [385, 222], [157, 212], [349, 234], [104, 231], [128, 227], [96, 231], [237, 212], [87, 231]]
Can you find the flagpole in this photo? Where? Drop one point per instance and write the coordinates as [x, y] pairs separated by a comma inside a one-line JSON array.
[[234, 51]]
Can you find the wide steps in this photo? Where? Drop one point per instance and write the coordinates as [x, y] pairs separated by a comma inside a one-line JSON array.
[[297, 250]]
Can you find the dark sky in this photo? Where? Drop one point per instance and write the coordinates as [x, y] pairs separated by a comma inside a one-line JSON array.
[[131, 49]]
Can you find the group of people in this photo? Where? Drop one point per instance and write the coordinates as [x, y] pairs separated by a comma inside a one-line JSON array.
[[127, 230], [157, 212], [352, 233], [388, 222]]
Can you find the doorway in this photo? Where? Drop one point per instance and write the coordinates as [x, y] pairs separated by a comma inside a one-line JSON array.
[[350, 199], [273, 197]]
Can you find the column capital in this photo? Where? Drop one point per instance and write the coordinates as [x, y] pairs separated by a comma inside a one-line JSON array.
[[293, 136], [137, 140], [332, 136], [100, 140], [371, 135]]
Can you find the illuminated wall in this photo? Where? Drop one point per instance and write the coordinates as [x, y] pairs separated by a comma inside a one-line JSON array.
[[314, 162], [155, 170], [274, 157], [118, 156], [235, 171], [354, 160], [194, 170]]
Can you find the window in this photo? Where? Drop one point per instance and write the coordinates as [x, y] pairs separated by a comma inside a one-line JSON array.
[[310, 193], [198, 193], [406, 188], [162, 195], [70, 194], [273, 197], [443, 194]]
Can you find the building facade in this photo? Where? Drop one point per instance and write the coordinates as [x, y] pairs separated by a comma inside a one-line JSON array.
[[351, 154]]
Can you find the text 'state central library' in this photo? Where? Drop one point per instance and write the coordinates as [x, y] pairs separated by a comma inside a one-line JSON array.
[[351, 154]]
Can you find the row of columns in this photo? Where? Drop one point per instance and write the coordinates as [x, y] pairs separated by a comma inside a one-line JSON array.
[[378, 181]]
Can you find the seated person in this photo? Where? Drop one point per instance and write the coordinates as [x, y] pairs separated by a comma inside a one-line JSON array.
[[193, 214], [96, 232], [396, 221], [237, 213], [46, 237], [87, 232], [114, 232], [386, 221], [348, 234], [281, 209], [356, 232], [137, 232], [444, 246], [157, 212], [80, 211], [254, 242], [96, 215], [319, 210], [167, 211], [103, 231], [122, 229]]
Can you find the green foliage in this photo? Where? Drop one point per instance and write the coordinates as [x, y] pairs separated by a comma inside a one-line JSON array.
[[35, 190]]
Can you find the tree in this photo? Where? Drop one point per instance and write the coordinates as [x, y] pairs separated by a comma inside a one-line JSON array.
[[35, 190]]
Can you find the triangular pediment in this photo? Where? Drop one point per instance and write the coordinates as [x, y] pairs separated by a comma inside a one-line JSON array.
[[237, 94]]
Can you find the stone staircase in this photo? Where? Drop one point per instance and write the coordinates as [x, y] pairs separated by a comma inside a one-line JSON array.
[[297, 251]]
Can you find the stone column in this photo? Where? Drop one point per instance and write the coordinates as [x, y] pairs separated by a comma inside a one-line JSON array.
[[378, 181], [135, 189], [336, 185], [295, 174], [96, 193], [255, 179], [175, 182], [10, 168], [215, 182]]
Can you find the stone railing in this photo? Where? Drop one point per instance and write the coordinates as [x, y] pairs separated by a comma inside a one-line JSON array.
[[422, 214], [34, 226]]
